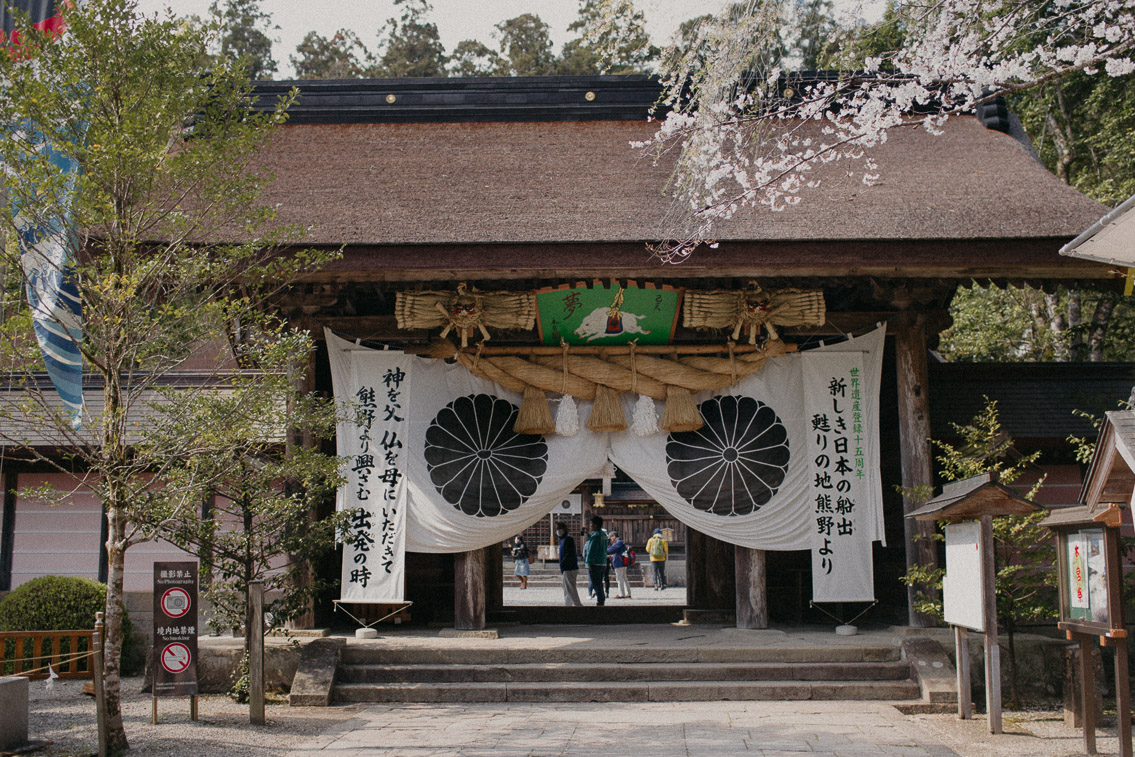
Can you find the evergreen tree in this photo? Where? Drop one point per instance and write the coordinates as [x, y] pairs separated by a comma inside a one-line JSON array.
[[342, 56], [244, 35], [814, 32], [526, 46], [410, 45], [612, 40], [473, 58]]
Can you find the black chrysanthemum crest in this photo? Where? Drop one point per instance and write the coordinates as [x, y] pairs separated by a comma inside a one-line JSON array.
[[477, 462], [733, 464]]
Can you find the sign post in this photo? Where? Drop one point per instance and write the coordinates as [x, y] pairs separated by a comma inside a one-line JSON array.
[[175, 633], [969, 590], [1091, 605]]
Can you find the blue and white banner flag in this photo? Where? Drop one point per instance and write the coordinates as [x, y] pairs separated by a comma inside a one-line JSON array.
[[45, 249], [51, 285]]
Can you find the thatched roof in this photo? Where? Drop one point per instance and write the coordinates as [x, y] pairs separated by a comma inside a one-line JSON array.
[[549, 182]]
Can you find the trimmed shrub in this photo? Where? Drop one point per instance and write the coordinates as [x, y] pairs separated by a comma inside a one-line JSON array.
[[62, 603]]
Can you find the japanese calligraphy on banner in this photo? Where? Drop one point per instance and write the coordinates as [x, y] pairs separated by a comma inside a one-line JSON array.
[[838, 492], [375, 546], [466, 479]]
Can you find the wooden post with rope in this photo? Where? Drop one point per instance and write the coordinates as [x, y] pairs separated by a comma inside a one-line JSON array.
[[100, 690]]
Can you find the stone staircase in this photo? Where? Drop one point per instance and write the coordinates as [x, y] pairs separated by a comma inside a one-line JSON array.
[[374, 673]]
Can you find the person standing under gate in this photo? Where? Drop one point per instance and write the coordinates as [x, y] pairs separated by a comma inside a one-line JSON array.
[[521, 560], [595, 555], [569, 567], [618, 552], [658, 550]]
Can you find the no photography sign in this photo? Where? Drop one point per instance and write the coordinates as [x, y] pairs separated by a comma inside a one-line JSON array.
[[175, 629]]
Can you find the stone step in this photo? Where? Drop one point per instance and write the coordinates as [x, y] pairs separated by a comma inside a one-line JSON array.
[[377, 653], [621, 691], [643, 673]]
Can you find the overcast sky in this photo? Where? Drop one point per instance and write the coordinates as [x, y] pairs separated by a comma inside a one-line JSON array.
[[456, 19]]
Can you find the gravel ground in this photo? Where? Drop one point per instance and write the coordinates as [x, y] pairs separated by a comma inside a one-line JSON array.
[[66, 717], [1026, 734]]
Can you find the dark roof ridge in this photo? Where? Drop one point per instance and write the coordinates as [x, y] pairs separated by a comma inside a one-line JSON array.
[[608, 97]]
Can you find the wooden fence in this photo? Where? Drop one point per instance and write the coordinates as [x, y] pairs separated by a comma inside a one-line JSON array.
[[67, 652]]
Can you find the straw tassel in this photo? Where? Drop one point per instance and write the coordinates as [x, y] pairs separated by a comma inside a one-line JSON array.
[[535, 416], [680, 413], [645, 420], [607, 412], [567, 417]]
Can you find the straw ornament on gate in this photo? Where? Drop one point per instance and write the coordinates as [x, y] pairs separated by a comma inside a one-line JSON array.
[[753, 309], [466, 311], [601, 374]]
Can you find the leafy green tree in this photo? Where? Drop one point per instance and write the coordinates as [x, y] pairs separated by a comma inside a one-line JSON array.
[[526, 46], [1026, 324], [341, 56], [612, 40], [410, 45], [236, 450], [171, 243], [471, 57], [244, 34], [1024, 549]]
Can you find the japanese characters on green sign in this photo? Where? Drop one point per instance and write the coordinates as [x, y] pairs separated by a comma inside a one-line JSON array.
[[608, 314]]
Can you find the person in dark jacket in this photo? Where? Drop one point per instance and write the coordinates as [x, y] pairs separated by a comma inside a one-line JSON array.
[[595, 556], [618, 552], [569, 567]]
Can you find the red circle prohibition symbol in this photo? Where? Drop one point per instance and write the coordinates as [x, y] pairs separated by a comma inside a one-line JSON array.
[[175, 602], [176, 657]]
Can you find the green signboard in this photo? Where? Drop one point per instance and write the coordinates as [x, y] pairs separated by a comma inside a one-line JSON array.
[[608, 314]]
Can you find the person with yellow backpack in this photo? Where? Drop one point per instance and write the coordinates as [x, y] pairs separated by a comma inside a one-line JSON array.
[[658, 550]]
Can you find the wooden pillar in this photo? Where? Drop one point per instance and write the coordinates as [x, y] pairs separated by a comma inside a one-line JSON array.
[[1088, 687], [469, 591], [255, 633], [992, 647], [696, 591], [914, 437], [303, 381], [494, 579], [961, 654], [1122, 697], [719, 570], [752, 588]]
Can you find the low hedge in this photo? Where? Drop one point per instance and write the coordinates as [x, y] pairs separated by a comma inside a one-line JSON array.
[[63, 603]]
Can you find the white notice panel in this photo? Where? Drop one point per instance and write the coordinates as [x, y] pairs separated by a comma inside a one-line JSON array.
[[962, 588]]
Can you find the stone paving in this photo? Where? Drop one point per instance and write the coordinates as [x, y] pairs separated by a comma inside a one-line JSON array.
[[691, 729], [709, 729]]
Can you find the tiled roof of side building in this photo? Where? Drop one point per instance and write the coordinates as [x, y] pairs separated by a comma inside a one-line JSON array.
[[1036, 401]]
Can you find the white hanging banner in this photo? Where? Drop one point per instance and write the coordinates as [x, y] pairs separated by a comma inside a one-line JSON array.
[[374, 552], [470, 480], [745, 477], [839, 478]]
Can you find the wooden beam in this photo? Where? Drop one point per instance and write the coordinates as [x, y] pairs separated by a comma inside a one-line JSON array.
[[992, 647], [1018, 260], [914, 440], [752, 589], [469, 591]]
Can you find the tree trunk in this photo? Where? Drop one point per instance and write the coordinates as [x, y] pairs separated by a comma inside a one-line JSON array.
[[1100, 320], [1058, 325], [112, 644], [1075, 318], [1061, 138]]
